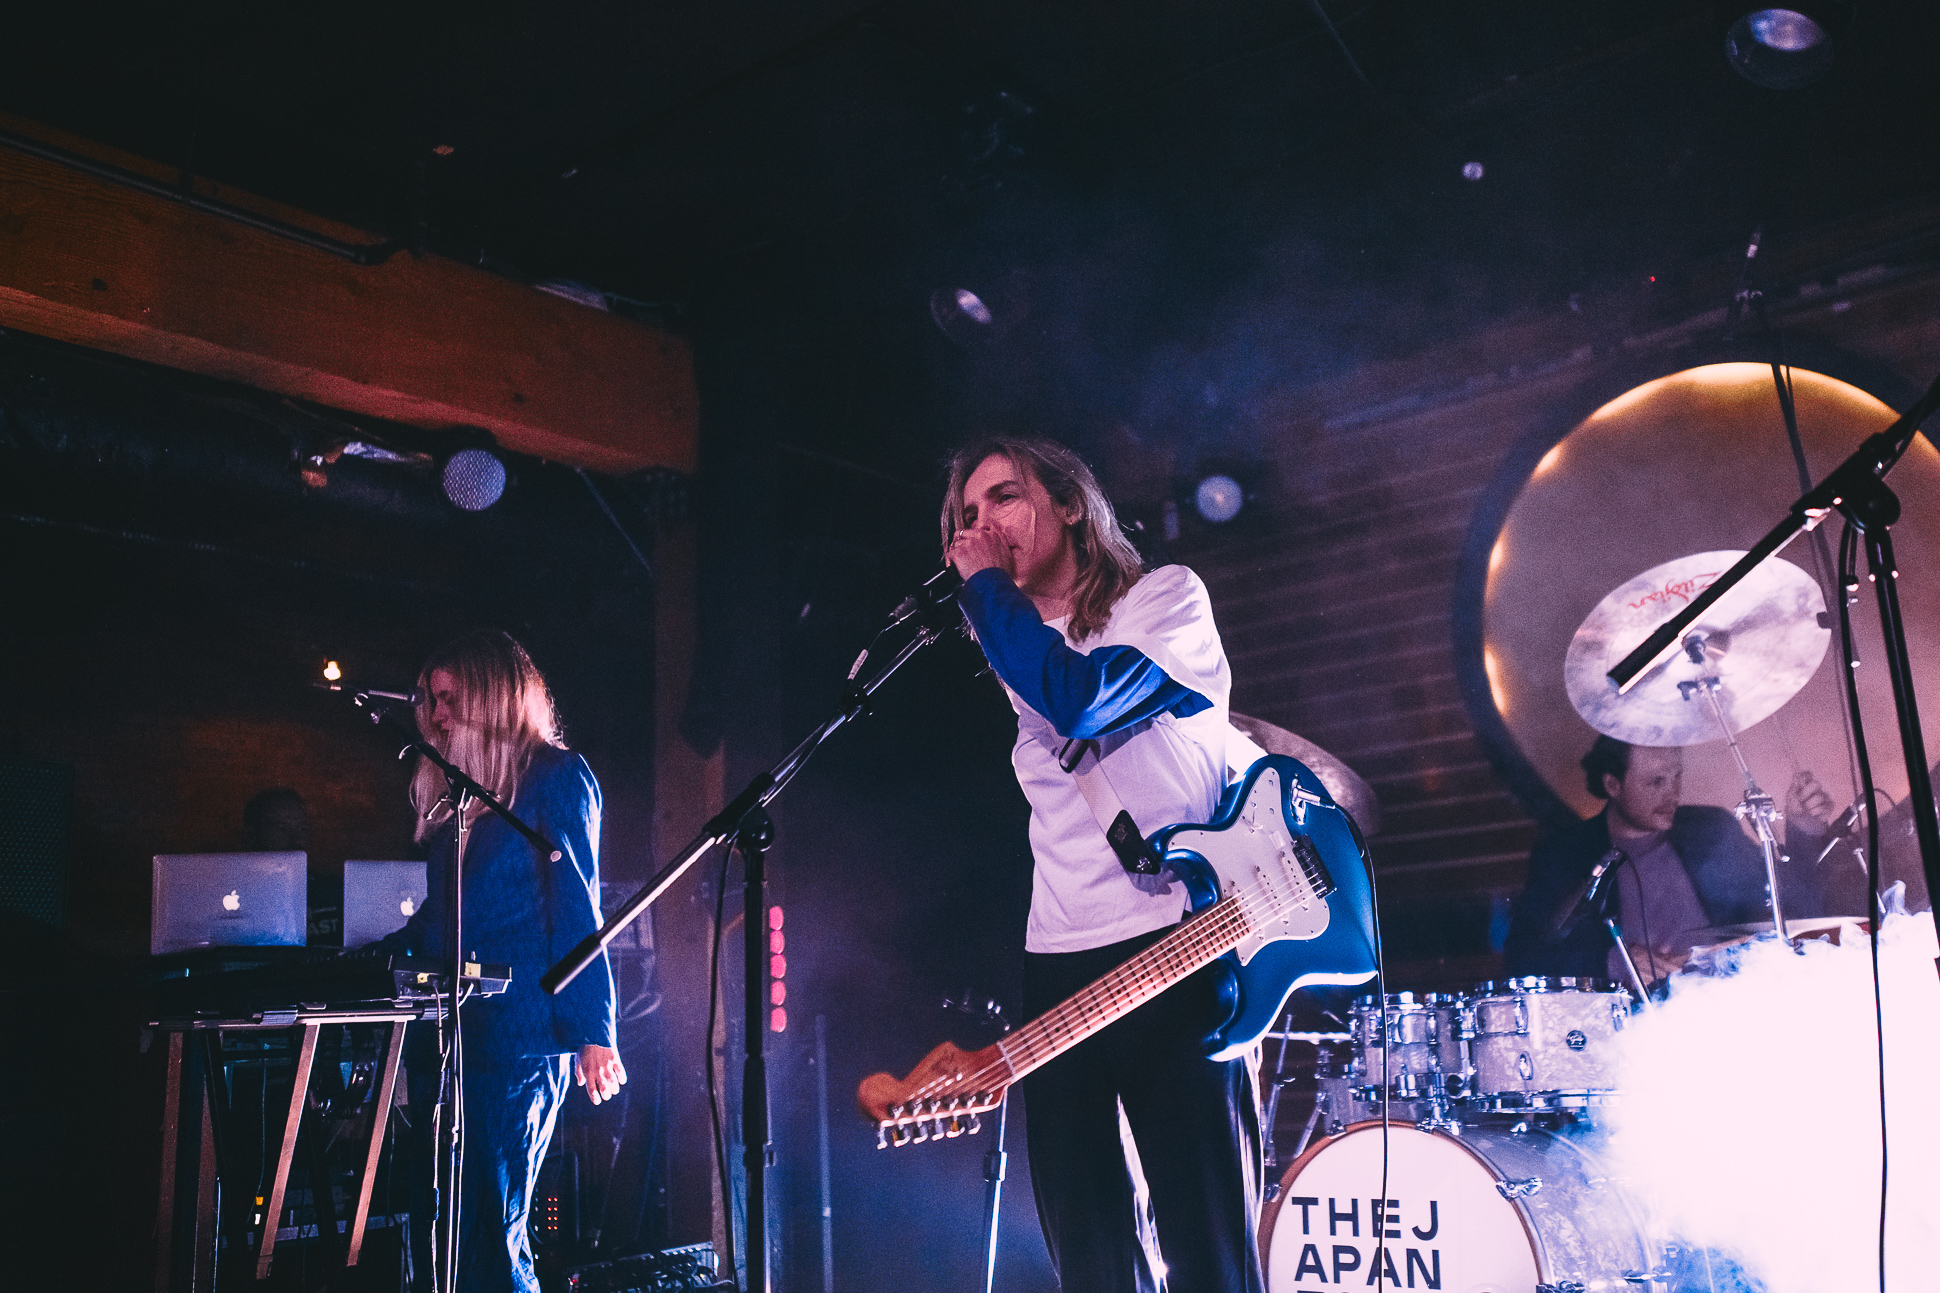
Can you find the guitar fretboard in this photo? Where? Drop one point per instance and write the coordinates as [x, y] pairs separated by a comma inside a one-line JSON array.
[[1197, 943]]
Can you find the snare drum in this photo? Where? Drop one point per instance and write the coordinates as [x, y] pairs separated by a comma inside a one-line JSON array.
[[1489, 1211], [1419, 1055], [1539, 1043]]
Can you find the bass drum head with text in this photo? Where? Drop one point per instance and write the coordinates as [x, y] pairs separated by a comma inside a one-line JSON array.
[[1489, 1211]]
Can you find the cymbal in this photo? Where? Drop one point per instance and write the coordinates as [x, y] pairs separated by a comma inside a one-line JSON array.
[[1342, 782], [1803, 927], [1762, 640]]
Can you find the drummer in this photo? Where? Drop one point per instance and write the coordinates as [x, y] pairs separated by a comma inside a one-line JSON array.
[[1690, 866]]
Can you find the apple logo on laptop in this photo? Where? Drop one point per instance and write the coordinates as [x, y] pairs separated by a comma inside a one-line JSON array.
[[231, 902], [407, 906]]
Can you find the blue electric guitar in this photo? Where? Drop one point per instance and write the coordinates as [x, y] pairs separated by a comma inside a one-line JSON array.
[[1279, 888]]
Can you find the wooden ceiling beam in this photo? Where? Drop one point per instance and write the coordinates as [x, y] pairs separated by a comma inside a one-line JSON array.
[[420, 340]]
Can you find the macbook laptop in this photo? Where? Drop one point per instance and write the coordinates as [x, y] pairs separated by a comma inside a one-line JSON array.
[[379, 897], [229, 900]]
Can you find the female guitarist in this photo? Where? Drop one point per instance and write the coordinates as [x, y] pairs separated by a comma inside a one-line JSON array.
[[1092, 650]]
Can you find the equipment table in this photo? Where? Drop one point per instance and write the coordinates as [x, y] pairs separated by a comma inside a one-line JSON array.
[[193, 1104]]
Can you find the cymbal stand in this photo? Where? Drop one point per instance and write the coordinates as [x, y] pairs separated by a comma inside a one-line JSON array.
[[1756, 805]]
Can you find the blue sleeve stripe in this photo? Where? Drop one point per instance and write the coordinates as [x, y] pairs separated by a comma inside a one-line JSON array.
[[1082, 695]]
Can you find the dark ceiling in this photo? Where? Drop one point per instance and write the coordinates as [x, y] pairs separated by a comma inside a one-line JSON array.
[[638, 145], [1150, 181]]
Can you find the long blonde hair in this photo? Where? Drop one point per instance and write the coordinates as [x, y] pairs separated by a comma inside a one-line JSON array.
[[508, 716], [1108, 564]]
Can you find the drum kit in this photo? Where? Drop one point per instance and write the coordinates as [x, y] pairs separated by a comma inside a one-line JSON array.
[[1453, 1139]]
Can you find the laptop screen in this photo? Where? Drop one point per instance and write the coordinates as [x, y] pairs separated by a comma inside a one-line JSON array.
[[379, 897], [229, 900]]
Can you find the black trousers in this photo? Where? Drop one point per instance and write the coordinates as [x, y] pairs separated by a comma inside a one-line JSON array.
[[1195, 1124]]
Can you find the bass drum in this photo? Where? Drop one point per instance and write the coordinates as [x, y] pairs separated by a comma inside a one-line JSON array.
[[1489, 1211]]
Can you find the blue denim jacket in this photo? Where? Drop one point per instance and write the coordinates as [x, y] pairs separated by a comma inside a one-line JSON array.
[[526, 912]]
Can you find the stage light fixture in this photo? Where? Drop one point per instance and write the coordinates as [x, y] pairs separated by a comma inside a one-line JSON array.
[[1218, 499], [473, 479], [1780, 49], [961, 314]]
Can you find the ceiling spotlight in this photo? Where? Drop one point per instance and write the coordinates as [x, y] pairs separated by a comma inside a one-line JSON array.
[[962, 314], [1218, 499], [1780, 49], [473, 479]]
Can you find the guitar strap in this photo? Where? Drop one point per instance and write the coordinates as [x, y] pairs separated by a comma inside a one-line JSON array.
[[1085, 762], [1135, 853]]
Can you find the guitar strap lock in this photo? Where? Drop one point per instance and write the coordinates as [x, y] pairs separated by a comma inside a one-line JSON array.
[[1135, 853]]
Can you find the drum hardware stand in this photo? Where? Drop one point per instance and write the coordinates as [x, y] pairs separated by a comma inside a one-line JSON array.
[[1306, 1133], [1629, 963], [1439, 1116], [1857, 490], [1756, 805], [744, 812]]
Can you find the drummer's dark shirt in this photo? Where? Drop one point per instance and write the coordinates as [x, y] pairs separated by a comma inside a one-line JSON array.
[[1659, 904]]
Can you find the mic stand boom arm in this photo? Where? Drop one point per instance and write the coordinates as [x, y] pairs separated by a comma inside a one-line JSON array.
[[726, 823], [746, 822], [1857, 490], [380, 714]]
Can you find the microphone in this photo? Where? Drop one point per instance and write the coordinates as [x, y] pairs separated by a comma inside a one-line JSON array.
[[1571, 914], [1843, 828], [408, 697], [940, 588]]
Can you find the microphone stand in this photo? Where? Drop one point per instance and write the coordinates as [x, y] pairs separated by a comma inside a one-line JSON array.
[[746, 822], [1857, 490], [448, 1133]]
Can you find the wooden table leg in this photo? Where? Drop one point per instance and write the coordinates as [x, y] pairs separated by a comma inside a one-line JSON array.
[[299, 1088], [203, 1263], [171, 1134], [380, 1119]]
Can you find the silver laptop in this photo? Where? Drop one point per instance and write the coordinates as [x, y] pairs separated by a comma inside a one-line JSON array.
[[229, 900], [379, 897]]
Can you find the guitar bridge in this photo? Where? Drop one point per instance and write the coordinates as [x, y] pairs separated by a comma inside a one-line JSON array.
[[1305, 853]]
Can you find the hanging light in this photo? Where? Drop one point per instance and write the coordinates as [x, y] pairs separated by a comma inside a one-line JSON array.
[[473, 479], [1218, 498], [963, 316], [1780, 49]]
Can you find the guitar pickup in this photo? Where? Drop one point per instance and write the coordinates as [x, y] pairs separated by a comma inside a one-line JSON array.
[[1308, 856]]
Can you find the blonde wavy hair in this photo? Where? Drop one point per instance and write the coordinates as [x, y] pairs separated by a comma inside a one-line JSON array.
[[505, 715], [1108, 564]]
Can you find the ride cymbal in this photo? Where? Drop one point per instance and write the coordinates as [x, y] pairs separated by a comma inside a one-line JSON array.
[[1762, 641]]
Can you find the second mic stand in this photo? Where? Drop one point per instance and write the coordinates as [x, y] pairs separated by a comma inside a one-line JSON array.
[[745, 822], [448, 1134]]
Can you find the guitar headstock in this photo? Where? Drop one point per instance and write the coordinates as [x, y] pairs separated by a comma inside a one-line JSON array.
[[935, 1119], [942, 1098]]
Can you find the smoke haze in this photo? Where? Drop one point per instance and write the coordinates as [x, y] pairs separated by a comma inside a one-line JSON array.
[[1751, 1114]]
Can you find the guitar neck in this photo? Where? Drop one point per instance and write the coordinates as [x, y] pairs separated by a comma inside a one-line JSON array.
[[1197, 943]]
